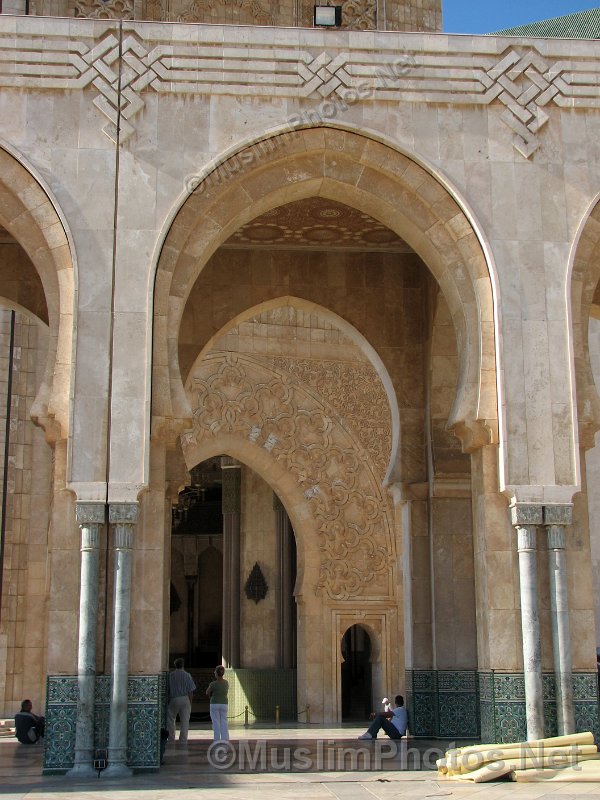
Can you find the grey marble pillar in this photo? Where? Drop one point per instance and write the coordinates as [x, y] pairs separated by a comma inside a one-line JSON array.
[[285, 609], [525, 519], [123, 516], [91, 517], [556, 518], [231, 504]]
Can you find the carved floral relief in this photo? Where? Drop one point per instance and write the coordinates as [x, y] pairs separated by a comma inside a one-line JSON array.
[[267, 402]]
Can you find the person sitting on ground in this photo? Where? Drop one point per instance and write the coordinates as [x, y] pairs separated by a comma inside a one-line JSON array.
[[29, 726], [393, 722]]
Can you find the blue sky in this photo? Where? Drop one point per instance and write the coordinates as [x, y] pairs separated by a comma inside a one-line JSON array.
[[486, 16]]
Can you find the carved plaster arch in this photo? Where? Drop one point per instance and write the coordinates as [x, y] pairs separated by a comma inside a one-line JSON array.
[[583, 292], [371, 176], [354, 335], [30, 214], [310, 456]]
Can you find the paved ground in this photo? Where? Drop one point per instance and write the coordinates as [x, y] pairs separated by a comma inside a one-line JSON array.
[[283, 763]]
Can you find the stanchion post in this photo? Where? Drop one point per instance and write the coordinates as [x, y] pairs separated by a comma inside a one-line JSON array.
[[308, 715], [245, 716], [276, 715]]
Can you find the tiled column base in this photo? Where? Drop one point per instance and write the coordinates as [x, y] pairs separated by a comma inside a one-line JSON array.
[[490, 705], [145, 717], [502, 705], [443, 703]]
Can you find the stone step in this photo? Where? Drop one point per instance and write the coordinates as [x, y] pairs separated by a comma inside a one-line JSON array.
[[7, 728]]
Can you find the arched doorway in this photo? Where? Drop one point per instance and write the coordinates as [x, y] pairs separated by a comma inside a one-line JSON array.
[[263, 293], [356, 674], [233, 573]]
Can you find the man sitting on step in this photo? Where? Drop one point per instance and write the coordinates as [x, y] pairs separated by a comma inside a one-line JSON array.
[[29, 727]]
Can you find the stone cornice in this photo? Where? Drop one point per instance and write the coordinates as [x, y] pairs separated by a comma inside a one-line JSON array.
[[124, 61]]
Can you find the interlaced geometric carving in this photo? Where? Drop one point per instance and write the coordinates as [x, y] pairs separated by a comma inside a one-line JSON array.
[[524, 84], [270, 408]]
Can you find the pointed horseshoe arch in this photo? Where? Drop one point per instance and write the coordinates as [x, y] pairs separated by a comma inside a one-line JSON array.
[[373, 177], [31, 216]]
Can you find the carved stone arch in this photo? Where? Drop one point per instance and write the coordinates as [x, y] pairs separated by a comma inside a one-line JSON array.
[[372, 629], [371, 354], [584, 288], [30, 214], [279, 424], [377, 179]]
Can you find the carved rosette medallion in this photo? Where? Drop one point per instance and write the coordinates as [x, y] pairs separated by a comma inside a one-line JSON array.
[[265, 403]]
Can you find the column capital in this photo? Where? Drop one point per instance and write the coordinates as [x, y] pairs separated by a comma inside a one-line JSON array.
[[526, 514], [556, 537], [90, 513], [558, 514], [526, 537], [123, 513]]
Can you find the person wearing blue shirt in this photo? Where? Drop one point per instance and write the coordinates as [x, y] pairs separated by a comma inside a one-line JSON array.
[[393, 722]]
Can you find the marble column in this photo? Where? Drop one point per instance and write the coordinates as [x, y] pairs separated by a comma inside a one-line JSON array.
[[123, 516], [556, 519], [285, 588], [525, 519], [91, 517], [231, 506]]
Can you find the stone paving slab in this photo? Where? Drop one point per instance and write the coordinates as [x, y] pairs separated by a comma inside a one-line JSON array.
[[186, 776]]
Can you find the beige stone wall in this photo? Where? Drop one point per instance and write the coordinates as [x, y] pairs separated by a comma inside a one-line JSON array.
[[258, 621], [23, 632]]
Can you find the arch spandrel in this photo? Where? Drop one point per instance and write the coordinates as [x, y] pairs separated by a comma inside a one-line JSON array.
[[325, 451], [372, 177], [30, 215]]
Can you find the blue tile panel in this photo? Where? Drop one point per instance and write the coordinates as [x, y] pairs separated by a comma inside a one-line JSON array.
[[145, 716], [502, 705], [490, 705], [443, 703]]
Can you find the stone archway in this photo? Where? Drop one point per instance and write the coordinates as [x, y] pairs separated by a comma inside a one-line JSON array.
[[584, 290], [29, 214], [318, 431], [371, 176]]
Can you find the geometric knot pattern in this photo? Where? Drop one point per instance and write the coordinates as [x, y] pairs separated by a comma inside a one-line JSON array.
[[524, 85]]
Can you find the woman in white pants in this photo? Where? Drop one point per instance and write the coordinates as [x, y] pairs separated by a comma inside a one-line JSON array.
[[217, 692]]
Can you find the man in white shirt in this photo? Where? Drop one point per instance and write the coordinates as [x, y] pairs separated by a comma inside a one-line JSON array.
[[393, 722]]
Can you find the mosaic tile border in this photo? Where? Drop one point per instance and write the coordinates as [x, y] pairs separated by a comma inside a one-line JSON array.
[[145, 716]]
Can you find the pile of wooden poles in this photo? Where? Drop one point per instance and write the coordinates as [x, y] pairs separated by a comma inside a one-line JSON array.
[[560, 758]]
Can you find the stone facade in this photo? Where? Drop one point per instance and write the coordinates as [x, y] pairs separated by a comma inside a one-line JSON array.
[[357, 270]]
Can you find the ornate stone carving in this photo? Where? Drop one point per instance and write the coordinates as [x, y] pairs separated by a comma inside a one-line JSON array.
[[357, 394], [360, 15], [266, 404], [104, 9], [201, 9]]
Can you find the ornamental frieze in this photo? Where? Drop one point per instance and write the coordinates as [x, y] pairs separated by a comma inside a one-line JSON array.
[[124, 63]]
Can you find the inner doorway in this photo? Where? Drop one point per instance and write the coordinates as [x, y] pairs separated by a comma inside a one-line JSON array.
[[356, 674], [233, 574]]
